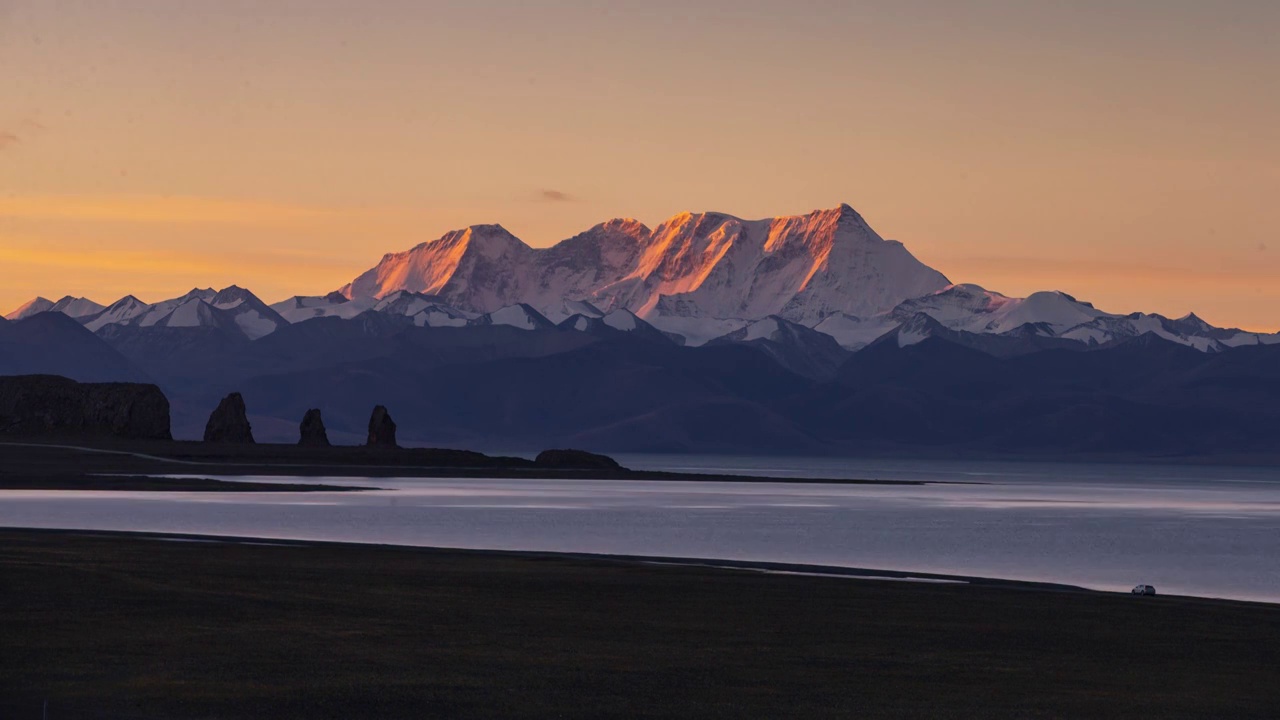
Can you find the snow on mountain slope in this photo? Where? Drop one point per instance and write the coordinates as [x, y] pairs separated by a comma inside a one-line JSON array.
[[195, 312], [31, 307], [437, 315], [565, 274], [254, 318], [160, 310], [75, 307], [802, 350], [695, 330], [302, 307], [804, 268], [694, 272], [404, 302], [974, 309], [232, 307], [1241, 338], [571, 308], [477, 269], [968, 308], [1190, 331], [618, 321], [854, 333], [425, 310], [121, 311], [519, 315], [623, 320]]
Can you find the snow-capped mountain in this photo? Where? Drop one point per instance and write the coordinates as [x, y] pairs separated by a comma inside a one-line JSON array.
[[573, 308], [76, 307], [254, 317], [159, 311], [800, 349], [803, 268], [975, 311], [520, 315], [618, 321], [34, 306], [694, 278], [305, 307], [122, 311], [424, 310], [232, 308], [479, 269], [196, 313], [711, 267], [1189, 330]]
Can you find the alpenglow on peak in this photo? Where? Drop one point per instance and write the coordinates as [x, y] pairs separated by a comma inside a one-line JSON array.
[[693, 265]]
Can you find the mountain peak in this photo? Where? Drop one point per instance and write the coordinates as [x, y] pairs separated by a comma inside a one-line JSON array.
[[846, 210], [31, 307], [228, 295], [479, 256], [629, 227], [1191, 320], [711, 264]]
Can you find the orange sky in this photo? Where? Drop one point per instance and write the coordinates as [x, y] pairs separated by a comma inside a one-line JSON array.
[[1125, 152]]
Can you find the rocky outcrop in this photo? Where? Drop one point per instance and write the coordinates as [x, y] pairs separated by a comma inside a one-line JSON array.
[[575, 460], [312, 430], [52, 405], [229, 422], [382, 429]]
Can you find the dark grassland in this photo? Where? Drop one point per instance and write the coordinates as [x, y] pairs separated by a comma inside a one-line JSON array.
[[131, 627]]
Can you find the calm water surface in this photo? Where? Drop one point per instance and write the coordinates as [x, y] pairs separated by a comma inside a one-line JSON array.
[[1187, 530]]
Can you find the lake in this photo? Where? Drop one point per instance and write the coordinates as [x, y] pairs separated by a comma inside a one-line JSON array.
[[1209, 531]]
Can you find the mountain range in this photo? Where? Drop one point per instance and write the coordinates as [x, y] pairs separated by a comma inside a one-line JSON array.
[[707, 333]]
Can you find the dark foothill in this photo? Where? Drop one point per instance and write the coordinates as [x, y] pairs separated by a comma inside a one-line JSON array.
[[382, 429], [312, 430], [52, 405], [229, 423], [576, 460]]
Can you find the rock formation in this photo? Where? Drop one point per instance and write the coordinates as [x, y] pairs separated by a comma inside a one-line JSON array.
[[575, 460], [382, 429], [312, 430], [53, 405], [228, 423]]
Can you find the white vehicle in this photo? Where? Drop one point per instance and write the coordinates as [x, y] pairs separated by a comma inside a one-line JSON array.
[[1143, 590]]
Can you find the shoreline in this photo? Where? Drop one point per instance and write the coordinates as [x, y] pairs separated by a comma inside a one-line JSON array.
[[155, 457], [763, 567]]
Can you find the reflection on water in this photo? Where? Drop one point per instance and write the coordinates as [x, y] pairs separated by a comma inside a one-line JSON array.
[[1192, 530]]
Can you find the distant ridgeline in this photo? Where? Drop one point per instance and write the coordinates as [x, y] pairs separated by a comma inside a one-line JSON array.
[[43, 405], [806, 334]]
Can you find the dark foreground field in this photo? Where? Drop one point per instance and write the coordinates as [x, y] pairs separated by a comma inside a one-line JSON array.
[[116, 627]]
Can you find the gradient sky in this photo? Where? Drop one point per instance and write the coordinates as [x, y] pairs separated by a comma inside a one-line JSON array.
[[1127, 152]]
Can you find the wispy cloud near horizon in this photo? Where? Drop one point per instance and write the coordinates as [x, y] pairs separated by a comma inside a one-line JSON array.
[[555, 196]]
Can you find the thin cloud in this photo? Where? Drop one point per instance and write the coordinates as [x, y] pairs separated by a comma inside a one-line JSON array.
[[8, 139], [555, 196]]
